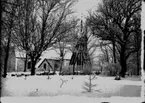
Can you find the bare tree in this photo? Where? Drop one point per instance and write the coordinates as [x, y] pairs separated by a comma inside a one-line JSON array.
[[116, 21], [8, 23], [45, 22], [64, 41]]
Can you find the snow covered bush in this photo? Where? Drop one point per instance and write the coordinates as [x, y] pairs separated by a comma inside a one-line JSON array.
[[65, 71], [112, 69], [87, 70]]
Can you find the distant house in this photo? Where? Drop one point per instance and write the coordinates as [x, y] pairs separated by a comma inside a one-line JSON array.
[[46, 64], [20, 58], [49, 60]]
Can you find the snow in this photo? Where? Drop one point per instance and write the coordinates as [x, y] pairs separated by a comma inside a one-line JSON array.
[[16, 88], [20, 54], [54, 54], [69, 99], [49, 54]]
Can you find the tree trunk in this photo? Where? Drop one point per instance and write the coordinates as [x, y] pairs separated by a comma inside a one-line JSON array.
[[60, 69], [138, 62], [73, 69], [114, 51], [61, 64], [25, 66], [144, 53], [107, 56], [123, 68], [6, 57], [33, 66], [123, 62], [5, 65]]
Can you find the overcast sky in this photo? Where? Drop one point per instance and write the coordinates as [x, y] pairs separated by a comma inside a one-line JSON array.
[[83, 6]]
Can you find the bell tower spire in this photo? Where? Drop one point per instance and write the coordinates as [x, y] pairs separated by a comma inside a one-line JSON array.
[[81, 25]]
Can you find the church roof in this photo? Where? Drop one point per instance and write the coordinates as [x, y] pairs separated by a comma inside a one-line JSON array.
[[50, 54]]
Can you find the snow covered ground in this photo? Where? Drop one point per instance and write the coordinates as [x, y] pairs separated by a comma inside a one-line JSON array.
[[18, 88], [69, 99]]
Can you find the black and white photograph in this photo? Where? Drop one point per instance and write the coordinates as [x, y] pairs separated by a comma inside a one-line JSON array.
[[72, 51]]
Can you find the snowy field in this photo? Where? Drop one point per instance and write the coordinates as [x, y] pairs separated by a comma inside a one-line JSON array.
[[18, 88], [70, 99]]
